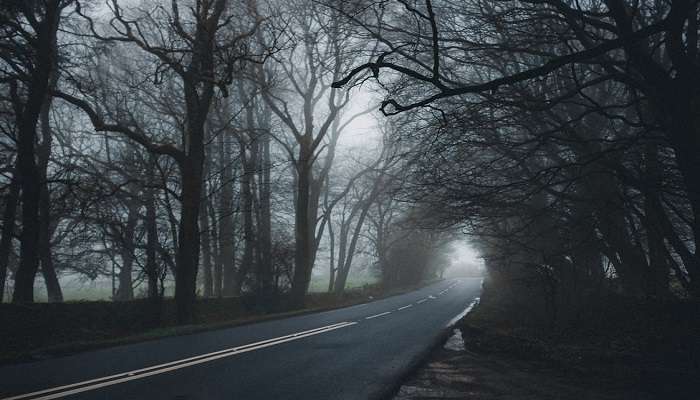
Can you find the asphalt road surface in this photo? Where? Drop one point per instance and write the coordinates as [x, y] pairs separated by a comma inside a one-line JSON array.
[[358, 352]]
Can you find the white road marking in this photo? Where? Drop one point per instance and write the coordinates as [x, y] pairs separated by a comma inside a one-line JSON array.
[[378, 315], [79, 387], [431, 297], [463, 313], [405, 307], [421, 301]]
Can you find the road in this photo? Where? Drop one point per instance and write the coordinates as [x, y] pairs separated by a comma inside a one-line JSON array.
[[357, 352]]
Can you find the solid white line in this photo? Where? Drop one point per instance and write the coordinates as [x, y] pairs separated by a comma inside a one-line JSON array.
[[405, 307], [421, 301], [172, 366], [463, 313], [378, 315]]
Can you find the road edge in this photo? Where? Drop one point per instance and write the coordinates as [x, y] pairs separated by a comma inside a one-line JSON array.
[[74, 348], [420, 359]]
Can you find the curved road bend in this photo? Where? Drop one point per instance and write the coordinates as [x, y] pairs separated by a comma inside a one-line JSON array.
[[357, 352]]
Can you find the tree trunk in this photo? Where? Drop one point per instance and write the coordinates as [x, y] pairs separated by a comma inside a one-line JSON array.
[[187, 258], [53, 288], [126, 288], [29, 239], [248, 155], [227, 235], [248, 233], [657, 274], [304, 225], [207, 281], [217, 276], [198, 92], [265, 216], [331, 263], [344, 269], [37, 92], [614, 229], [151, 223], [346, 255], [8, 231], [342, 273]]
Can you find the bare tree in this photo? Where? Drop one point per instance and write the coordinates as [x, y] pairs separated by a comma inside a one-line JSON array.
[[318, 56], [203, 57], [30, 60], [650, 50]]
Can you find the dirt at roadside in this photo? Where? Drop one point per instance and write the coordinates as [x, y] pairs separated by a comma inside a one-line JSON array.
[[610, 347], [458, 371]]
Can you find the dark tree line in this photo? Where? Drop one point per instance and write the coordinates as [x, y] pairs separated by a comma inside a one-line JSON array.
[[187, 148], [561, 134]]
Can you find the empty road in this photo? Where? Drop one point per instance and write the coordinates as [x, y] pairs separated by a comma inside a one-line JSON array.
[[358, 352]]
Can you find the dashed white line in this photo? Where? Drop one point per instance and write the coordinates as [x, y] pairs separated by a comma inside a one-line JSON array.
[[378, 315], [421, 301], [405, 307], [431, 297]]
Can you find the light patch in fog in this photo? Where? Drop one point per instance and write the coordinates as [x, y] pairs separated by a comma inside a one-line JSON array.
[[464, 260], [362, 131]]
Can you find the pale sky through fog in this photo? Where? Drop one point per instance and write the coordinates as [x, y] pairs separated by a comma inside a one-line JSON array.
[[464, 259], [364, 130]]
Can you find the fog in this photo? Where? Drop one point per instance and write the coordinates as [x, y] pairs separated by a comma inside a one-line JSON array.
[[464, 260]]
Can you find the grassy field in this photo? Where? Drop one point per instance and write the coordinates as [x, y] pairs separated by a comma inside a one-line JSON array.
[[319, 284], [76, 288]]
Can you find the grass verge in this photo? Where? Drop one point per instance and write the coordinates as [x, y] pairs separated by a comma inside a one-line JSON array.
[[643, 351]]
